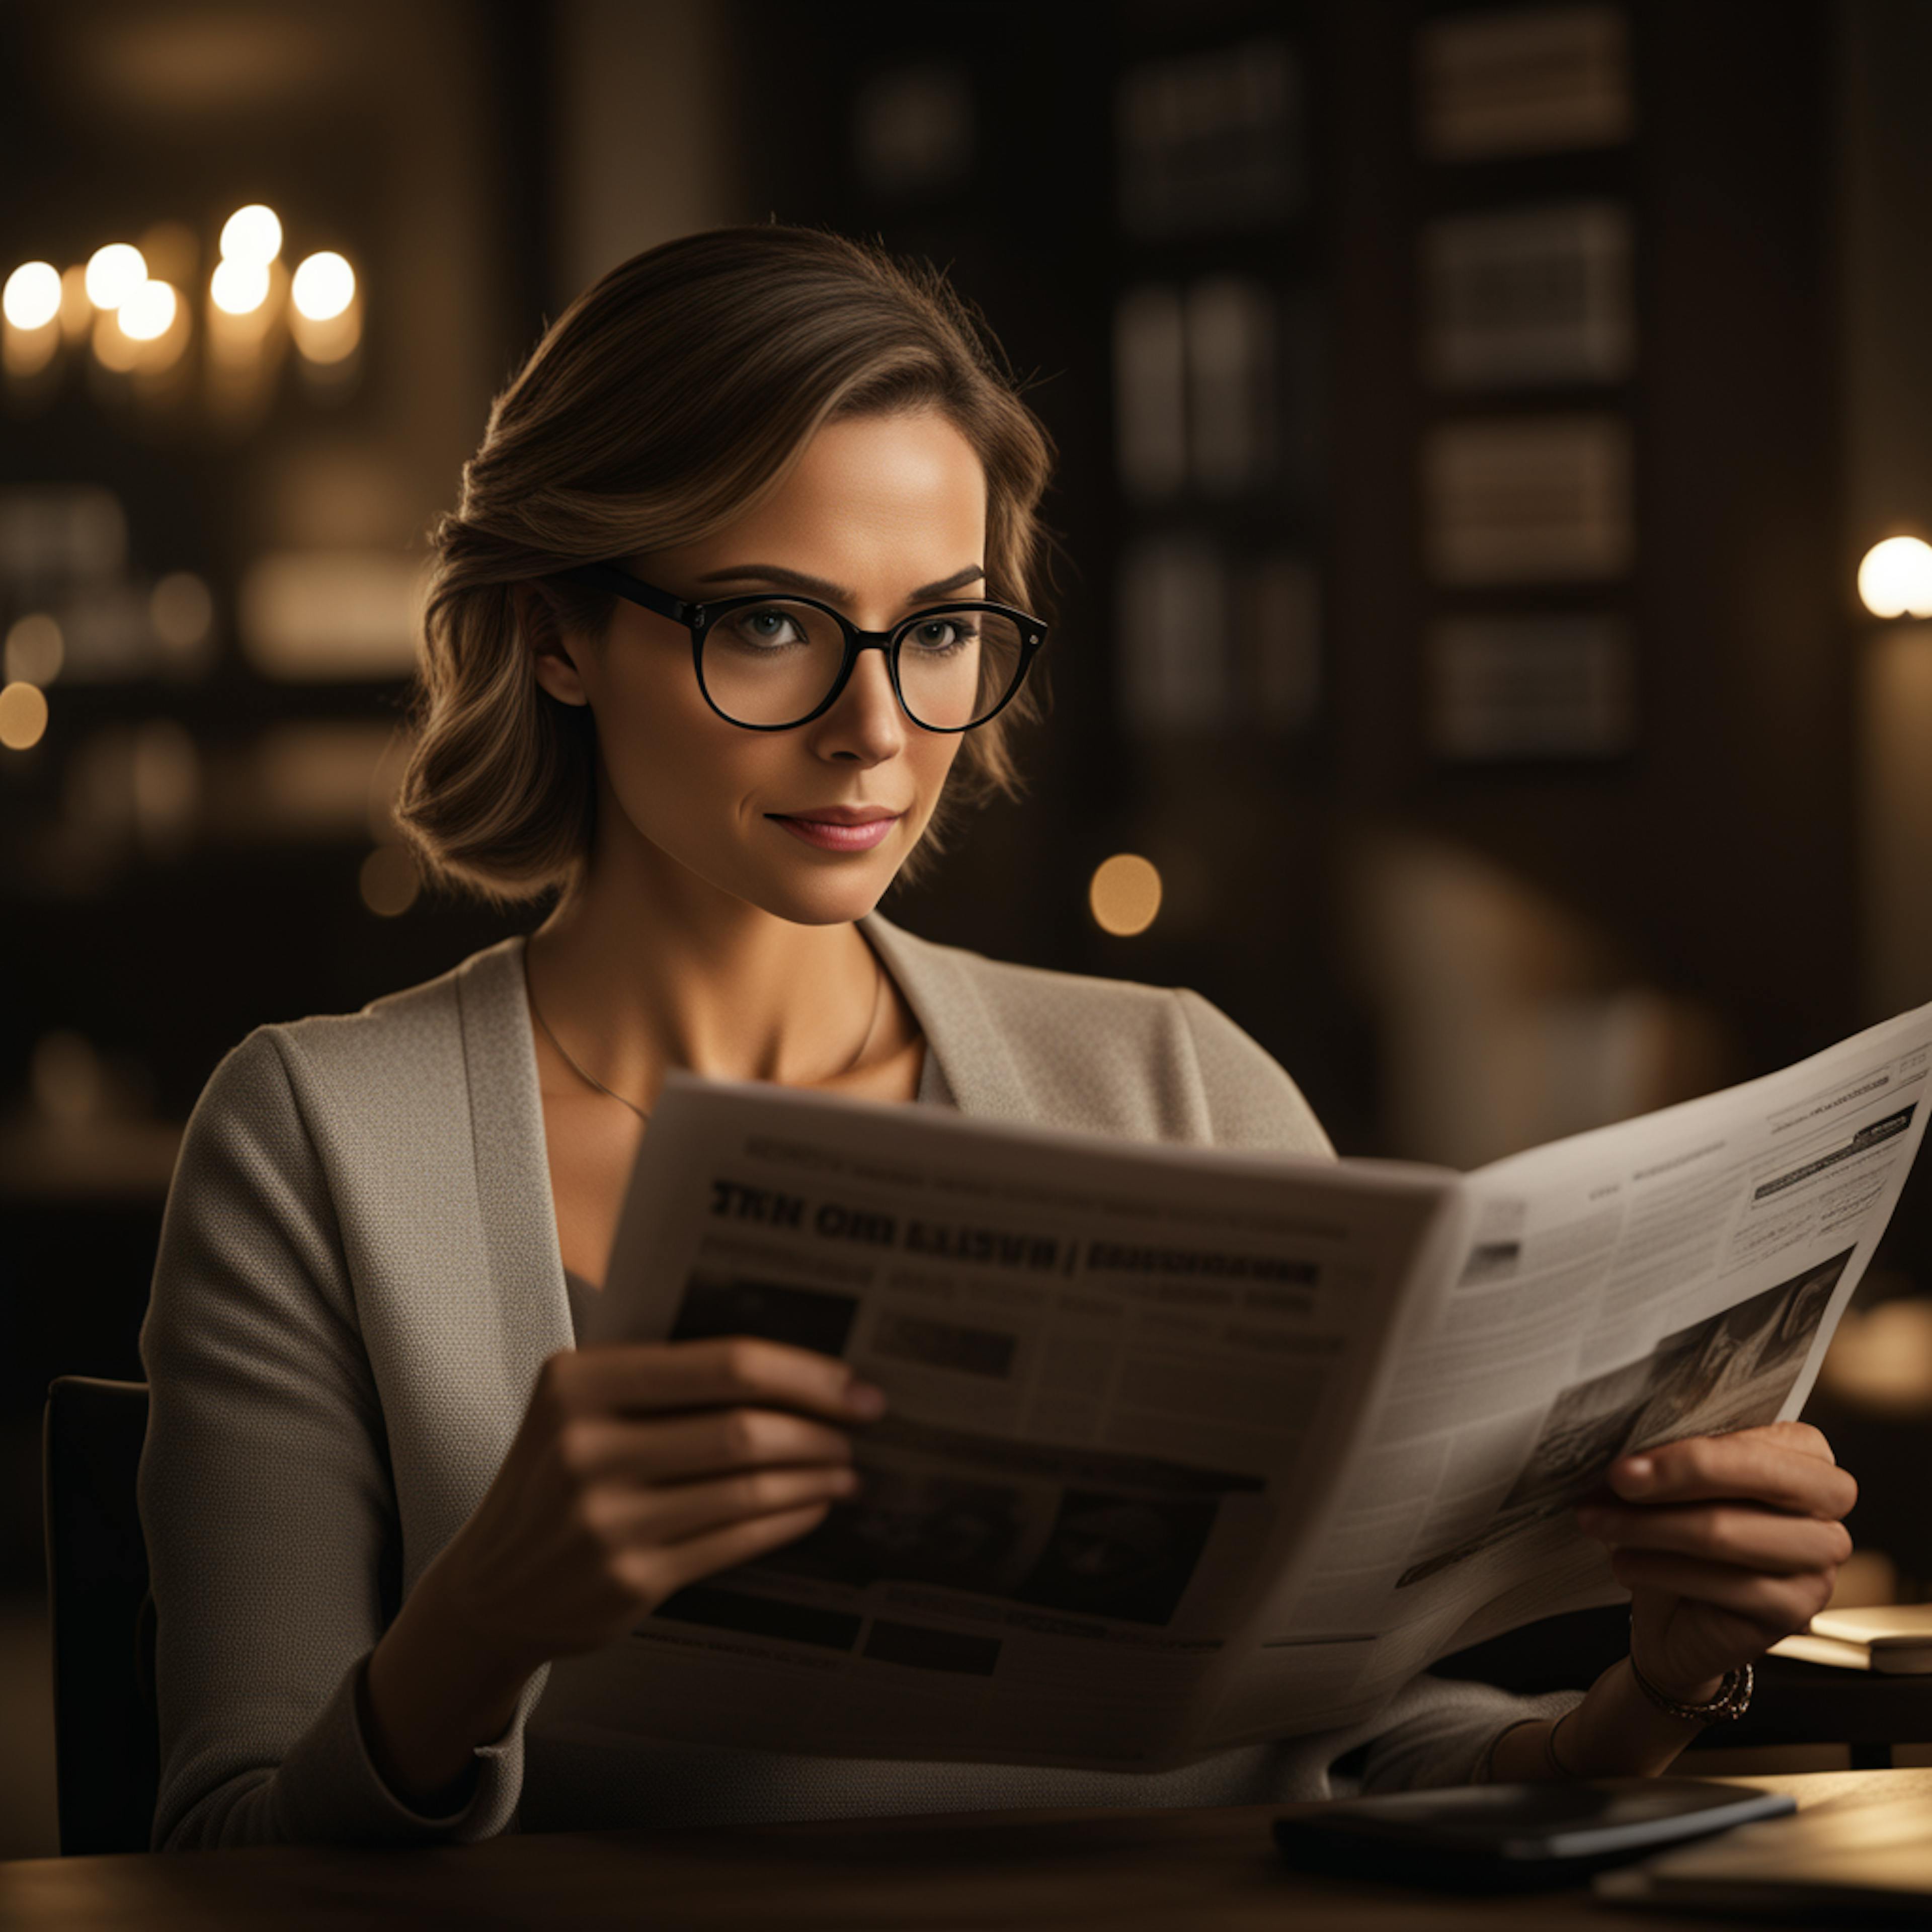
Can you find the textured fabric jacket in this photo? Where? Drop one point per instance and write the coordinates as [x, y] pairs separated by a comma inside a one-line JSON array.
[[358, 1280]]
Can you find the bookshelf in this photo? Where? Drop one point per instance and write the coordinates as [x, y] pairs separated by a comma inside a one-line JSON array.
[[1445, 395]]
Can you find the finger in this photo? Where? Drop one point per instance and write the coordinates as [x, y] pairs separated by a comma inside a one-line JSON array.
[[643, 1376], [1722, 1641], [1754, 1539], [1749, 1465], [677, 1447], [1777, 1604], [676, 1565], [1801, 1436], [674, 1515]]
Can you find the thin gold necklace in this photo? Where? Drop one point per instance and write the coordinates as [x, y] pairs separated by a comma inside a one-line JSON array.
[[878, 997]]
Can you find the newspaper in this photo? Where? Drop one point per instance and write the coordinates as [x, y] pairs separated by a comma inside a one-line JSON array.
[[1189, 1447]]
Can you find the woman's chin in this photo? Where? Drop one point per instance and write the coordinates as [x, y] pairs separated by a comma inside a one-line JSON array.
[[829, 901]]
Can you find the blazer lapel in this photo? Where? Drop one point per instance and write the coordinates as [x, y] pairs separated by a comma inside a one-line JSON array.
[[512, 1170], [513, 1193], [960, 1027]]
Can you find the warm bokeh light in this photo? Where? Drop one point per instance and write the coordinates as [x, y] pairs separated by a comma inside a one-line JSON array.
[[1895, 579], [23, 716], [1880, 1361], [148, 314], [324, 285], [390, 882], [182, 610], [114, 273], [252, 234], [239, 288], [1124, 895], [32, 297], [34, 650]]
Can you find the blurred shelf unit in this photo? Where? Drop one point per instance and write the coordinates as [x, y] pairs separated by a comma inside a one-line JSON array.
[[220, 700], [1213, 140], [1526, 322], [130, 733], [72, 609], [1218, 383]]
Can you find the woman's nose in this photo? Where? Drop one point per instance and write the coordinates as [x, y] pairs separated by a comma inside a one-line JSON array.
[[867, 721]]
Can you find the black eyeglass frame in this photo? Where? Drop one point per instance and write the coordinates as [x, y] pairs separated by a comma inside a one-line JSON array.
[[699, 618]]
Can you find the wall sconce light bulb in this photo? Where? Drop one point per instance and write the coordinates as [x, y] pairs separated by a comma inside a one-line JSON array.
[[324, 287], [32, 297], [1895, 579], [239, 287], [148, 313], [114, 273], [252, 234]]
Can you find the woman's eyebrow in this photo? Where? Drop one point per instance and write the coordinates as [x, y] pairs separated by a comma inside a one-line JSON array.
[[833, 593]]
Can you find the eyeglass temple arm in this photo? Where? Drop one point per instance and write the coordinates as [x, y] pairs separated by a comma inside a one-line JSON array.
[[621, 584]]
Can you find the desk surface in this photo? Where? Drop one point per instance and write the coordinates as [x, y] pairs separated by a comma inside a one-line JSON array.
[[1129, 1871]]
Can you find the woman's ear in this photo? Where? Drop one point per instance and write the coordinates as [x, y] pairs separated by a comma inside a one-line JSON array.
[[542, 636]]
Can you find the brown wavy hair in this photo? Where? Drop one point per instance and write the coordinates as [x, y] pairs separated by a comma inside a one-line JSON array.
[[663, 403]]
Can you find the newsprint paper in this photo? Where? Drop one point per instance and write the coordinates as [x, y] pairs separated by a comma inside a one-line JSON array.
[[1187, 1447]]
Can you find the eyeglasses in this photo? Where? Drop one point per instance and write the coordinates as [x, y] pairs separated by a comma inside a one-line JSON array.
[[769, 664]]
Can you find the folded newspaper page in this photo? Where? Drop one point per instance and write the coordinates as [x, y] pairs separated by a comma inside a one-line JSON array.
[[1189, 1447]]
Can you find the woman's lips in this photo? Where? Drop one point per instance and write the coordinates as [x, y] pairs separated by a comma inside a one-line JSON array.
[[830, 838]]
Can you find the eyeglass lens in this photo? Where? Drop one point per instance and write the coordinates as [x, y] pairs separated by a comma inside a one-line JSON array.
[[776, 663]]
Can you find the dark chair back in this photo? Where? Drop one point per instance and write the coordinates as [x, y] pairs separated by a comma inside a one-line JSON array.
[[105, 1741]]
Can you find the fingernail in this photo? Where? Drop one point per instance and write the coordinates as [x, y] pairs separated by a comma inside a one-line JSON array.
[[1639, 1469], [865, 1401]]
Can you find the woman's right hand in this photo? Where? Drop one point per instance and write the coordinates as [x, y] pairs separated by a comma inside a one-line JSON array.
[[638, 1468]]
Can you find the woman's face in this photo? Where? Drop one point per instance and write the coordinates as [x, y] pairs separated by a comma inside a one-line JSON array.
[[881, 516]]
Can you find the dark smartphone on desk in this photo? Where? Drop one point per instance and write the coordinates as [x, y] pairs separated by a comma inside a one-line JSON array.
[[1514, 1838]]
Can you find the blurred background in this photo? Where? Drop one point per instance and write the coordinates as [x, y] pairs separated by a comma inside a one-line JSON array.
[[1491, 662]]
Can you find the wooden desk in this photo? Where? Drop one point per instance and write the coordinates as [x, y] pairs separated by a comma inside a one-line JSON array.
[[1124, 1871]]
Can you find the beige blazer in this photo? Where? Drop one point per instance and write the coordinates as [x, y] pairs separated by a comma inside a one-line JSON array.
[[358, 1278]]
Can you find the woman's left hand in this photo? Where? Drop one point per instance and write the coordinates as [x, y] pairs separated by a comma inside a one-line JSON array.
[[1726, 1543]]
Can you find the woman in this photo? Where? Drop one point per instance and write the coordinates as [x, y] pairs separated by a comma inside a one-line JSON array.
[[382, 1492]]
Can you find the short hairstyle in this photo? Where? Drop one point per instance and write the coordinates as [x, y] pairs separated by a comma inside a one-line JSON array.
[[663, 404]]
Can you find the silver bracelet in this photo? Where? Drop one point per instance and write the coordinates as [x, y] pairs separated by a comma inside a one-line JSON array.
[[1731, 1702]]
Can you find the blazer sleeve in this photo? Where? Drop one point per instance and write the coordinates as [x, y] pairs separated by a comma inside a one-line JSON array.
[[265, 1494], [1438, 1730]]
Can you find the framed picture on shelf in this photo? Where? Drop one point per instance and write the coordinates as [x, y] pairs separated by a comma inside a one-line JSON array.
[[1530, 686], [1523, 297]]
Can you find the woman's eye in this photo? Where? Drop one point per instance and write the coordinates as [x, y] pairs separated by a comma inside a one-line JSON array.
[[942, 634], [766, 627]]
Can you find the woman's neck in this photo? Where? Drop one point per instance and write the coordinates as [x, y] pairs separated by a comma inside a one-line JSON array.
[[634, 985]]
